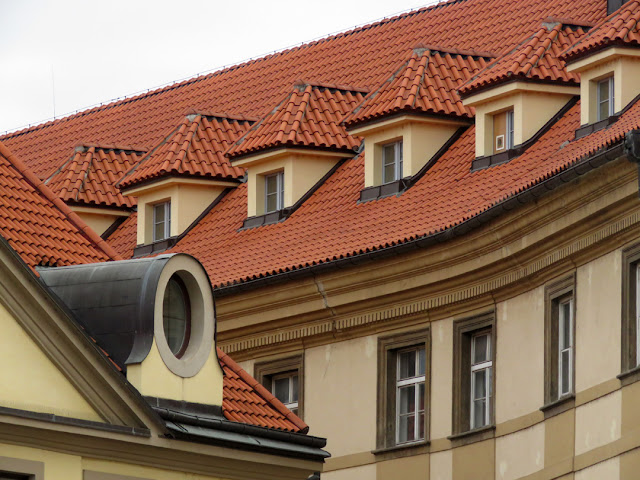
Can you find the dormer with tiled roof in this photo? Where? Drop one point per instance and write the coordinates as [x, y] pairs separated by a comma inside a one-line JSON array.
[[183, 175], [86, 182], [413, 114], [520, 92], [608, 60], [292, 148]]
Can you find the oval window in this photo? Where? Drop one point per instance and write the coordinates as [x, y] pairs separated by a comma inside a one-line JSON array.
[[176, 316]]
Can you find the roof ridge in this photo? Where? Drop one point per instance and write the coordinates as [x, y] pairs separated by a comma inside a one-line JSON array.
[[454, 51], [221, 115], [187, 142], [45, 191], [557, 28], [262, 391], [83, 146], [180, 83]]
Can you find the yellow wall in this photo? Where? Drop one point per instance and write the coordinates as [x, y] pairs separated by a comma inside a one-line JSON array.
[[30, 381], [520, 454], [441, 378], [623, 64], [97, 218], [152, 377], [598, 422], [188, 201], [302, 170], [337, 379], [421, 139], [520, 349]]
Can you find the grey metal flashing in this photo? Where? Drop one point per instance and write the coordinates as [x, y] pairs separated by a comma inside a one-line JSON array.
[[579, 168], [188, 408], [74, 422]]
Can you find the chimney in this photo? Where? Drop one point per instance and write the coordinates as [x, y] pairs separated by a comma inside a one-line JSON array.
[[613, 5]]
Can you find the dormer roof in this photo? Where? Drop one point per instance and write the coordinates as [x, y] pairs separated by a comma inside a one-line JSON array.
[[535, 59], [425, 83], [38, 225], [195, 148], [618, 29], [89, 176], [308, 117]]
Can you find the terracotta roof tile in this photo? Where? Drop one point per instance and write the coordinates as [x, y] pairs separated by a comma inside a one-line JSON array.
[[38, 225], [364, 57], [426, 83], [195, 148], [246, 401], [535, 59], [618, 29], [90, 175], [309, 116], [124, 239]]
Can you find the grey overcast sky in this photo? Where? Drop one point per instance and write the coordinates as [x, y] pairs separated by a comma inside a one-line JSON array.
[[86, 52]]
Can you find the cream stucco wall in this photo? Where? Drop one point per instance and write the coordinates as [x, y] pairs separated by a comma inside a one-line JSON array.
[[598, 320], [531, 111], [57, 466], [441, 377], [30, 381], [337, 378], [99, 219], [441, 465], [598, 422], [609, 469], [152, 378], [520, 349], [302, 170], [623, 64], [365, 472], [520, 454], [188, 200], [421, 138]]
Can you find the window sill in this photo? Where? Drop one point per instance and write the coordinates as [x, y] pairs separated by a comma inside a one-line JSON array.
[[558, 406], [266, 219], [472, 436], [381, 191], [481, 163], [630, 376], [590, 128], [403, 450], [155, 247]]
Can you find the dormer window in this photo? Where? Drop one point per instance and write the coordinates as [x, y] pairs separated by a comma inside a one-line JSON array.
[[392, 162], [274, 192], [606, 99], [503, 131], [161, 221]]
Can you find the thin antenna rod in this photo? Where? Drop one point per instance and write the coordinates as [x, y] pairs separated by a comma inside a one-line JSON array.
[[53, 92]]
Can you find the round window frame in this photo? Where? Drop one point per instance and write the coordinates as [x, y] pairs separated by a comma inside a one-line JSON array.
[[199, 346], [187, 299]]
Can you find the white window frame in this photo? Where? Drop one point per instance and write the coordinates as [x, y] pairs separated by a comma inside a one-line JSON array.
[[510, 134], [565, 389], [486, 365], [279, 193], [611, 93], [290, 404], [416, 381], [166, 220], [396, 161]]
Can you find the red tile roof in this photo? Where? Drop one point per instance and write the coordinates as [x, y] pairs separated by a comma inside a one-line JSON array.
[[195, 148], [309, 116], [364, 57], [426, 83], [618, 29], [124, 239], [535, 59], [38, 225], [447, 195], [246, 401], [90, 175]]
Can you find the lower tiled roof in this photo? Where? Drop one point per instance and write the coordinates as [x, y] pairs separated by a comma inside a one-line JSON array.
[[246, 401], [38, 225], [333, 225], [123, 240]]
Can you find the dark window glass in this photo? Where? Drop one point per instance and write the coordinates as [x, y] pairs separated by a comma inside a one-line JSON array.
[[176, 316]]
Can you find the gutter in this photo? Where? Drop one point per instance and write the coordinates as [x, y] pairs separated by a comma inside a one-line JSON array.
[[531, 194]]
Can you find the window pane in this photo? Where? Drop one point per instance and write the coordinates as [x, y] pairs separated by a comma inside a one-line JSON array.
[[281, 389], [406, 428], [175, 316], [479, 407], [272, 203], [294, 388], [566, 324], [389, 173], [389, 154], [421, 426], [407, 403], [479, 384], [158, 233], [421, 396], [271, 184], [480, 348], [407, 364], [159, 212], [564, 361], [603, 90], [603, 110], [422, 363]]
